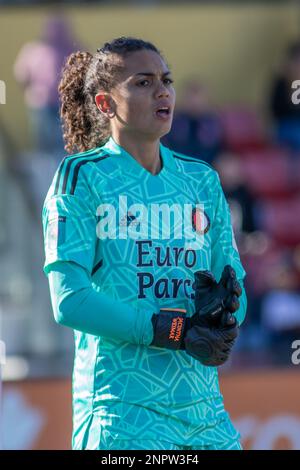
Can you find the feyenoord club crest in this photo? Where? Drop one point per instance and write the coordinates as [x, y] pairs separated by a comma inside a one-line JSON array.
[[200, 221]]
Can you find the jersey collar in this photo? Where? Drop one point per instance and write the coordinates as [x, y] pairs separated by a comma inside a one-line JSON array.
[[167, 157]]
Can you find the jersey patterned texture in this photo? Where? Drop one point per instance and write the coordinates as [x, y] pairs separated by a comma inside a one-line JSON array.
[[99, 214]]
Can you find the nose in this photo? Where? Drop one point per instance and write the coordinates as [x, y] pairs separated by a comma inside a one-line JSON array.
[[162, 91]]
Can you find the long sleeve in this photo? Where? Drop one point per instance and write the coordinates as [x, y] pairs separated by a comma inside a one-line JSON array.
[[78, 305], [224, 248], [70, 238]]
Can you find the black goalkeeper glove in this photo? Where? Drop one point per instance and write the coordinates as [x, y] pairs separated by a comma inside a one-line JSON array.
[[210, 346], [209, 334], [215, 302], [212, 330]]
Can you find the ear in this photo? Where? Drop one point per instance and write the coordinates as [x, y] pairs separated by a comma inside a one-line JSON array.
[[104, 103]]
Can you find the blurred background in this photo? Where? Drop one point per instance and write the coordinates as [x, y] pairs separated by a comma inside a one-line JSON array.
[[233, 63]]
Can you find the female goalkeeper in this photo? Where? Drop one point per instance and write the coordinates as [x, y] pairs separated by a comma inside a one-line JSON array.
[[141, 261]]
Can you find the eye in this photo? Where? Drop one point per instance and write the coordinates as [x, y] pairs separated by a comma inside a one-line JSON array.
[[168, 81], [144, 83]]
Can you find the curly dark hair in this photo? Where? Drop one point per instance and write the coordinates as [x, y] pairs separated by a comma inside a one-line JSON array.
[[83, 75]]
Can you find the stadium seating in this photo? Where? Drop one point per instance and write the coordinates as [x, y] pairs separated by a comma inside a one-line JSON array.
[[243, 130], [280, 219], [269, 173]]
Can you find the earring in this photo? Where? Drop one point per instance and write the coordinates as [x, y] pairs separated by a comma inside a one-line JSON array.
[[110, 113]]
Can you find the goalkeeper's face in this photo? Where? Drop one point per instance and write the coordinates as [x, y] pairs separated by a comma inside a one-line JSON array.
[[144, 97]]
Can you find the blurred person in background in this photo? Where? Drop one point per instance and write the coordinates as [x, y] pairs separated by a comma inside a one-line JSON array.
[[37, 69], [149, 327], [241, 201], [196, 128], [242, 210], [285, 113], [280, 309]]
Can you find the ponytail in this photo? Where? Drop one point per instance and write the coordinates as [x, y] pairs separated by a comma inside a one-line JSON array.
[[84, 126]]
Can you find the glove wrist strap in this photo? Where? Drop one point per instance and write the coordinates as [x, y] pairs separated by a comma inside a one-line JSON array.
[[169, 328]]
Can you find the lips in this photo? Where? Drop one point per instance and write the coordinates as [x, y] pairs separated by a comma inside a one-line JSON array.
[[163, 111]]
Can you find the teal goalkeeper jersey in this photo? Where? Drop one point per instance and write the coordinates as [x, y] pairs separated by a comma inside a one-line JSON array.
[[137, 239]]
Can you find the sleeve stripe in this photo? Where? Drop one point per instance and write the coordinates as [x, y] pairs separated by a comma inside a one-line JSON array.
[[65, 162], [77, 168], [65, 169], [59, 175], [97, 266]]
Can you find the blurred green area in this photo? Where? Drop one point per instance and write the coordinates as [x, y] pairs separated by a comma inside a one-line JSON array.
[[232, 47]]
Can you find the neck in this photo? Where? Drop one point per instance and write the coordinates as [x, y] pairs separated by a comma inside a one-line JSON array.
[[145, 152]]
